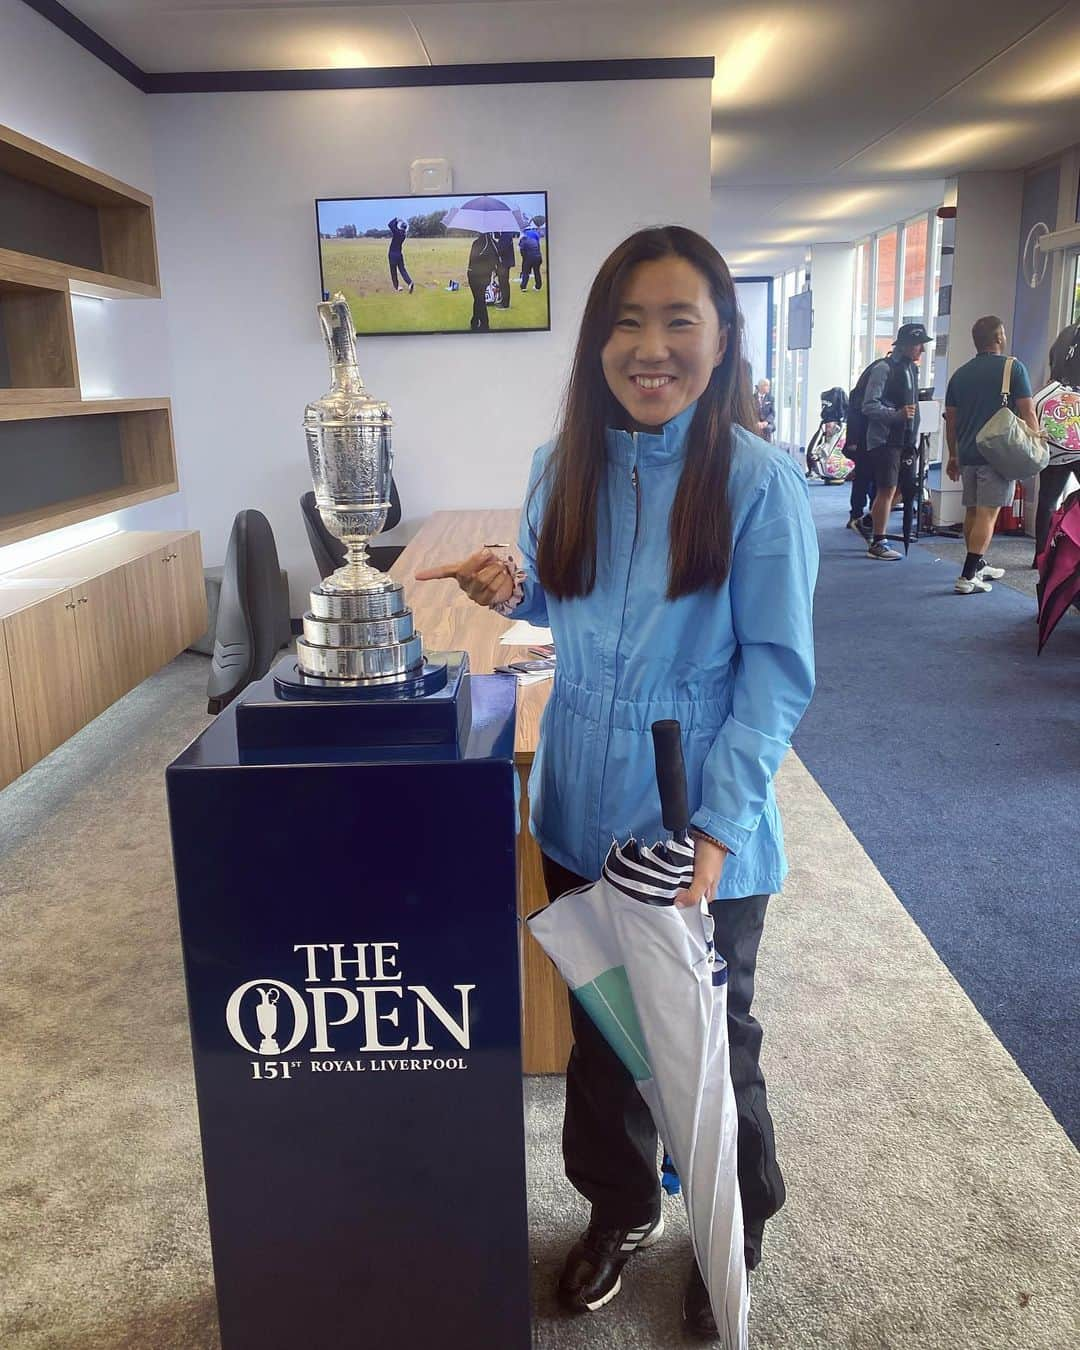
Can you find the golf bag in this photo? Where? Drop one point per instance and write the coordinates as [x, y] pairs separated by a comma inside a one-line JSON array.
[[834, 405], [1065, 357], [824, 455]]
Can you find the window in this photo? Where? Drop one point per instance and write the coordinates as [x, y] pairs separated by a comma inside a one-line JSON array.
[[897, 279], [932, 297], [1075, 290], [860, 347], [913, 297], [885, 292], [786, 394]]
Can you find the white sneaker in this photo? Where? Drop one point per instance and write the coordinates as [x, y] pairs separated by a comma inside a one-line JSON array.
[[883, 552], [989, 573], [965, 587]]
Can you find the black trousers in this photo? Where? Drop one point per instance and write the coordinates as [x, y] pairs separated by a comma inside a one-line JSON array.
[[609, 1140], [531, 269], [478, 283], [397, 267], [502, 271], [862, 484], [1052, 483]]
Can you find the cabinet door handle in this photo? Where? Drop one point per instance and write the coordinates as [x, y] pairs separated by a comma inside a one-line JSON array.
[[69, 604], [173, 555], [83, 599]]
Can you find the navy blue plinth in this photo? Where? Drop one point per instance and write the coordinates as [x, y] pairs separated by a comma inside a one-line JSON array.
[[350, 943], [287, 709]]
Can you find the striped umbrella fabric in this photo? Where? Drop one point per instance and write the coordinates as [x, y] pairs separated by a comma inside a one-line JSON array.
[[647, 973], [484, 215]]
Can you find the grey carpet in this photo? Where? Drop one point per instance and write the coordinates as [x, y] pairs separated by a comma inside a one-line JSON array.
[[932, 1196]]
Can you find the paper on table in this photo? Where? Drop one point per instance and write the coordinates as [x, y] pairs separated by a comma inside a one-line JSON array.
[[522, 634], [534, 676]]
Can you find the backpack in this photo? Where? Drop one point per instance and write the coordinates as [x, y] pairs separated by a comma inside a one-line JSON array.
[[856, 418], [1065, 357]]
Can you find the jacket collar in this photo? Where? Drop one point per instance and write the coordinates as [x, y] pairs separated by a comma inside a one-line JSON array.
[[651, 447]]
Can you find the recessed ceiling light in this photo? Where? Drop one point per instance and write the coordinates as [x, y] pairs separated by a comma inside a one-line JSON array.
[[742, 61], [956, 147], [346, 57], [1051, 79]]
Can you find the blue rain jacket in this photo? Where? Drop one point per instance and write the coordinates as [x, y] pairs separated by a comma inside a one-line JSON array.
[[734, 666]]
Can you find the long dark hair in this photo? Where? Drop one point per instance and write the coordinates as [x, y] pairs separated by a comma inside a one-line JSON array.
[[699, 548]]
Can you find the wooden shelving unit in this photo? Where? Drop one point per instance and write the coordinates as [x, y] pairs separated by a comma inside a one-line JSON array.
[[127, 460], [66, 227], [82, 227], [37, 338]]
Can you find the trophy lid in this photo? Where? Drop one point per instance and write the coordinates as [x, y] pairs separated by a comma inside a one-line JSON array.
[[347, 399]]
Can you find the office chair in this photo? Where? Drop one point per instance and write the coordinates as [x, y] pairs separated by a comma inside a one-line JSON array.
[[329, 551], [253, 612]]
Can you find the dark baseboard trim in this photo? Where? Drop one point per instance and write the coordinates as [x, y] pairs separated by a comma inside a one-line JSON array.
[[426, 77], [384, 77], [92, 42]]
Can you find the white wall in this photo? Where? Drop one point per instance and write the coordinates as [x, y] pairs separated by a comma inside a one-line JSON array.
[[832, 278], [988, 207], [984, 264], [757, 321], [55, 92], [238, 175]]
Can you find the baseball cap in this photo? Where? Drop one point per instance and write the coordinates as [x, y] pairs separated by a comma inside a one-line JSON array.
[[911, 334]]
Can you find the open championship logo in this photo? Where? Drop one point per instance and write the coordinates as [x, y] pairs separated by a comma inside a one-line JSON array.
[[352, 999]]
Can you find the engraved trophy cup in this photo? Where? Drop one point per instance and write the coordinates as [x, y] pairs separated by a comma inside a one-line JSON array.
[[359, 630]]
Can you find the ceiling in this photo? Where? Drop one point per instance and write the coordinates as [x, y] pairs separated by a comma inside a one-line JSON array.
[[829, 119]]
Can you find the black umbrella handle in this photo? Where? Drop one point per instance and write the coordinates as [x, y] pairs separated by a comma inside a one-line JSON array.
[[671, 775]]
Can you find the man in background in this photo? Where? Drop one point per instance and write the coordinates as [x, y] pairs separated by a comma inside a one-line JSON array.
[[765, 410], [971, 399], [504, 243], [891, 406], [396, 254], [531, 258]]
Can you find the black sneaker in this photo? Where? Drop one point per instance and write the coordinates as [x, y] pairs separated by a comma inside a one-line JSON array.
[[592, 1274]]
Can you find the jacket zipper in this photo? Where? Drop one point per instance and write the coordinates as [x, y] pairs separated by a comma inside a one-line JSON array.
[[635, 480]]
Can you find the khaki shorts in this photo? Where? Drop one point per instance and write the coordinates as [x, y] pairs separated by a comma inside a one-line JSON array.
[[984, 486]]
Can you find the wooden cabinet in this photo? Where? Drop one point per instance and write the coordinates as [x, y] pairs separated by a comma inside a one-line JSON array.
[[187, 588], [10, 760], [46, 678], [101, 619], [168, 599], [108, 642]]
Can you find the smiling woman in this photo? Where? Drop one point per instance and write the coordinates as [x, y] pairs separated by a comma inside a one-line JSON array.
[[665, 344], [658, 335], [672, 554]]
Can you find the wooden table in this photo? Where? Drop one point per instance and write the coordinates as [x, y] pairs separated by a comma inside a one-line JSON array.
[[449, 621]]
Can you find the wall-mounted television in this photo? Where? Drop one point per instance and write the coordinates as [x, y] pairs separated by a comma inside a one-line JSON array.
[[466, 263], [800, 321]]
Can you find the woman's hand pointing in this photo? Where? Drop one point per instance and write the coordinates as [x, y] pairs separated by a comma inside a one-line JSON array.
[[485, 577]]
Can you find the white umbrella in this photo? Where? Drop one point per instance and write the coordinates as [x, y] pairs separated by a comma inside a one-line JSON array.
[[484, 215], [648, 975]]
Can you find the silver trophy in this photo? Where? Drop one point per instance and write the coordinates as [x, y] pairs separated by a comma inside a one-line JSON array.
[[359, 628]]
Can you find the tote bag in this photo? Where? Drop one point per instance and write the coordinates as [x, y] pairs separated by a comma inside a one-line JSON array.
[[1008, 444]]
